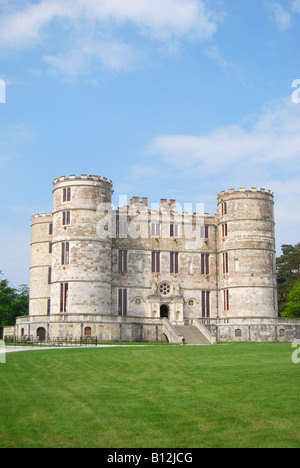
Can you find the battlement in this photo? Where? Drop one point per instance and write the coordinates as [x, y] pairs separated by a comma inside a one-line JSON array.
[[43, 216], [244, 190], [140, 205], [164, 203], [138, 200], [82, 177]]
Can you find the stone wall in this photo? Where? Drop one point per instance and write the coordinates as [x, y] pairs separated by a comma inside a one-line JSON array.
[[86, 282], [41, 262], [246, 236], [87, 272]]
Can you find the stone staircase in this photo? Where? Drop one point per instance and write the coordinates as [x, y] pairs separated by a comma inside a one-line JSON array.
[[192, 335]]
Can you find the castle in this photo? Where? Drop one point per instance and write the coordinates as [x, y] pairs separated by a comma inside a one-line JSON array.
[[140, 273]]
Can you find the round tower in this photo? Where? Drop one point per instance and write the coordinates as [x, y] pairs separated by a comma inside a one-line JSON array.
[[40, 265], [246, 254], [81, 260]]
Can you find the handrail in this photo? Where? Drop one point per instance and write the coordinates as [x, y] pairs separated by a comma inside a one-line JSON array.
[[171, 333], [205, 332]]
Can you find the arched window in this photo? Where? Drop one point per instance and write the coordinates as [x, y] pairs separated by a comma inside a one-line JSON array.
[[87, 331], [238, 333]]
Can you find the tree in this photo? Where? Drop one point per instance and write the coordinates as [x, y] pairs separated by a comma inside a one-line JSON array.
[[21, 304], [7, 297], [13, 302], [288, 273], [293, 306]]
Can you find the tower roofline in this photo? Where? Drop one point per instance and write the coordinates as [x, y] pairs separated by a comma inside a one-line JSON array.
[[82, 177], [244, 190], [39, 216]]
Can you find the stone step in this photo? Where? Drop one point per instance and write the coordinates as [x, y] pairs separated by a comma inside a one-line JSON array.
[[192, 335]]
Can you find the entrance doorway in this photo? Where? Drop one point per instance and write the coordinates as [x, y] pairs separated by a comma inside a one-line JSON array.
[[164, 311], [41, 333]]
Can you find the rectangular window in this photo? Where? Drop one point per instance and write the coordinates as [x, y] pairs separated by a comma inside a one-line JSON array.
[[64, 289], [174, 262], [226, 299], [224, 230], [48, 306], [122, 302], [155, 230], [205, 264], [155, 262], [123, 255], [205, 232], [224, 209], [66, 218], [225, 263], [50, 229], [65, 253], [205, 304], [66, 194], [49, 275], [174, 230], [50, 248]]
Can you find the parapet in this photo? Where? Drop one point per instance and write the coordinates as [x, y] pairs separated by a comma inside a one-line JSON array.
[[138, 200], [167, 205], [83, 177], [244, 190], [43, 217]]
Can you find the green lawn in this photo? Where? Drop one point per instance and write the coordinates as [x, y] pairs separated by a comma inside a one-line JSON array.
[[230, 395]]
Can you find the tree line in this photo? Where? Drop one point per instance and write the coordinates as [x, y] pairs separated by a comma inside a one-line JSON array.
[[15, 302], [288, 280]]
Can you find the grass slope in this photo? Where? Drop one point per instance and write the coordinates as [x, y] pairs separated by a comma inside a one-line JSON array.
[[231, 395]]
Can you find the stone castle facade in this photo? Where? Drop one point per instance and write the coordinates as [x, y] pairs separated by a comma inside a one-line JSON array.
[[140, 273]]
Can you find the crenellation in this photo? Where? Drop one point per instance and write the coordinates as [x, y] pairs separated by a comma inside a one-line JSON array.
[[243, 190], [39, 216], [82, 177]]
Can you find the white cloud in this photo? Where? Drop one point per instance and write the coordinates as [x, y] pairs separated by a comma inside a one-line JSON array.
[[263, 153], [113, 56], [24, 25], [273, 139], [160, 19], [231, 69], [282, 17], [83, 30], [296, 6], [213, 53]]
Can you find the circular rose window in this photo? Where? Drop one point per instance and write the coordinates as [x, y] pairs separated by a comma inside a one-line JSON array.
[[165, 289]]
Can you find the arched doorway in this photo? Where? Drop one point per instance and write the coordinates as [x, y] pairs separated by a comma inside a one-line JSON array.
[[88, 333], [164, 311], [41, 333]]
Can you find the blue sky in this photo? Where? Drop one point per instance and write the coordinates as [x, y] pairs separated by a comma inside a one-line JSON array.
[[168, 98]]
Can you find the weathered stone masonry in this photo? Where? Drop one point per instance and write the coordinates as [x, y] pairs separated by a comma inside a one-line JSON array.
[[145, 274]]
